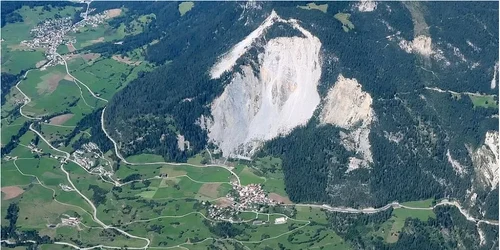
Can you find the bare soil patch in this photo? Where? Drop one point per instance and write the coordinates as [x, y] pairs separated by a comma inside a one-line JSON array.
[[126, 60], [53, 81], [279, 198], [209, 190], [40, 63], [223, 202], [71, 48], [168, 182], [50, 83], [11, 192], [18, 47], [113, 13], [90, 56], [60, 119], [69, 57], [68, 78], [171, 172], [98, 40]]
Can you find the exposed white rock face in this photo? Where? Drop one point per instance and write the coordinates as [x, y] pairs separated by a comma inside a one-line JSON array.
[[495, 73], [421, 45], [394, 137], [459, 169], [366, 6], [355, 163], [346, 104], [227, 61], [485, 160], [182, 143], [477, 49], [259, 106], [349, 107]]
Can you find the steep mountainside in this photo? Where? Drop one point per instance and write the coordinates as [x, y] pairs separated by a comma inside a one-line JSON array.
[[280, 95], [387, 102]]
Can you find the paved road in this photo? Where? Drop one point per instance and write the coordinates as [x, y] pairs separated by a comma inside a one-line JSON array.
[[324, 206], [94, 209], [94, 212], [158, 163], [75, 79], [26, 100], [398, 205]]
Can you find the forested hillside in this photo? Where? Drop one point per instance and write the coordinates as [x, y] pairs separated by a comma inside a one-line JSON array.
[[427, 107], [446, 230], [257, 125]]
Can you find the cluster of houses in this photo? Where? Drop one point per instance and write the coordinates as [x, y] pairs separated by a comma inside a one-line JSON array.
[[247, 197], [8, 158], [243, 198], [65, 187], [87, 156], [83, 160], [51, 33], [34, 149], [61, 159], [70, 221], [67, 221], [223, 213]]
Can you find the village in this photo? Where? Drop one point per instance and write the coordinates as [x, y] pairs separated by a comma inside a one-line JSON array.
[[67, 220], [242, 198], [249, 198], [87, 157], [50, 34]]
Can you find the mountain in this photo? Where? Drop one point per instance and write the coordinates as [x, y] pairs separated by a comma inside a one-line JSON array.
[[270, 101], [365, 103]]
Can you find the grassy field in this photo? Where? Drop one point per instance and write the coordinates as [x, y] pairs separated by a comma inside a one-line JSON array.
[[106, 76], [201, 174], [31, 16], [270, 169], [12, 102], [136, 26], [247, 175], [347, 25], [52, 91], [391, 229], [145, 158], [11, 177], [197, 159], [313, 6], [164, 203], [87, 35], [178, 188], [423, 203], [168, 210], [14, 61], [52, 133], [37, 203], [50, 94], [184, 7], [11, 129], [16, 57], [484, 101], [62, 49]]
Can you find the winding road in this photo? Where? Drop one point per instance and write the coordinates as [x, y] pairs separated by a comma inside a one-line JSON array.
[[324, 206], [26, 98], [147, 241], [117, 153]]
